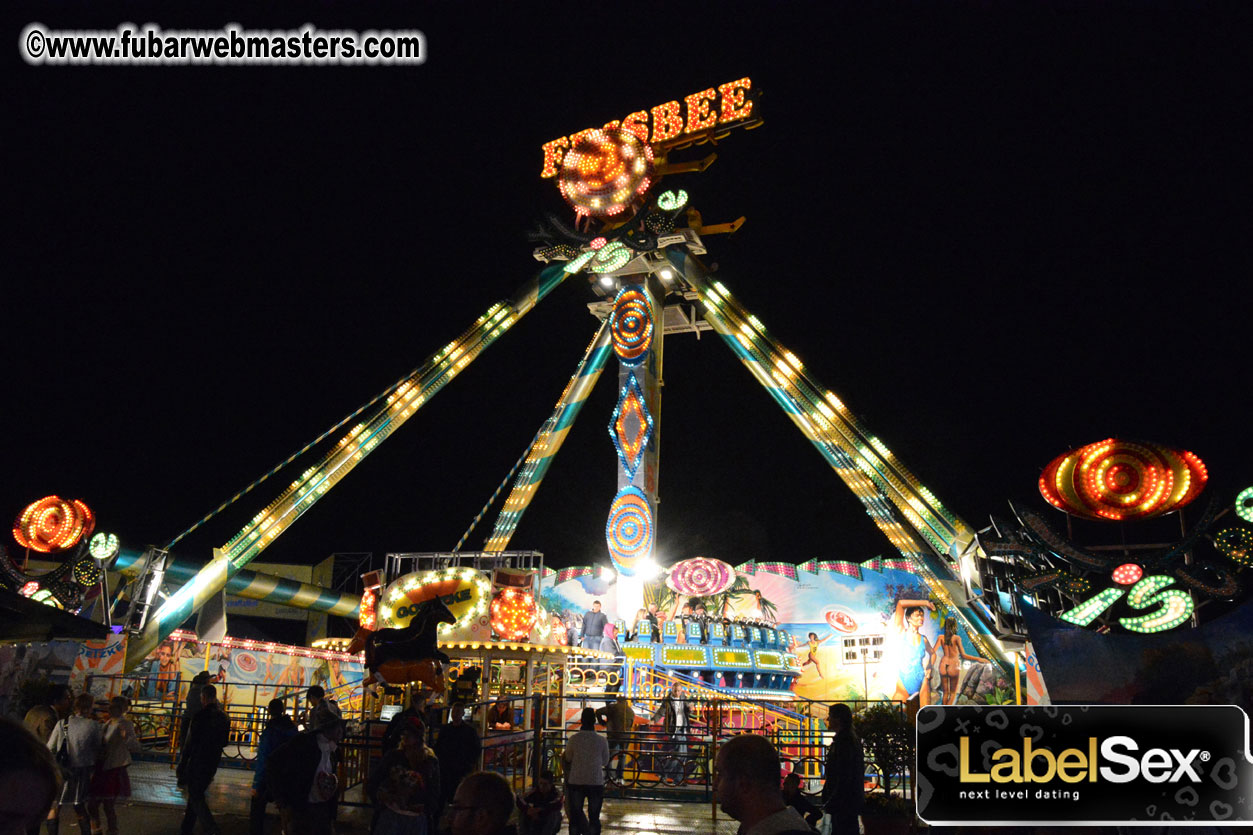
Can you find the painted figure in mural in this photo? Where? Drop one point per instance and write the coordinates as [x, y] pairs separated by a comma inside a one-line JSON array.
[[812, 657], [293, 674], [949, 649], [167, 671], [756, 611], [915, 651]]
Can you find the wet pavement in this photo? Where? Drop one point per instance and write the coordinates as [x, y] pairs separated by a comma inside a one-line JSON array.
[[157, 806]]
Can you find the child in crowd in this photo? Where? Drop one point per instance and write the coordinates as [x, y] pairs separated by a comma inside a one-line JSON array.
[[112, 780], [794, 797], [82, 737], [539, 813]]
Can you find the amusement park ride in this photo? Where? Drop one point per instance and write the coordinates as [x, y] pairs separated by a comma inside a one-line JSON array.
[[638, 244]]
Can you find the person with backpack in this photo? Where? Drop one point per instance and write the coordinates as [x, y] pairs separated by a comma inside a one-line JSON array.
[[279, 728], [78, 744], [747, 771]]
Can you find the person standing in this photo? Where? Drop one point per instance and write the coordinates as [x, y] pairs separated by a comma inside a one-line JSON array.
[[405, 787], [746, 783], [843, 793], [457, 748], [206, 737], [41, 719], [112, 782], [194, 702], [585, 758], [619, 719], [83, 737], [594, 623], [278, 729]]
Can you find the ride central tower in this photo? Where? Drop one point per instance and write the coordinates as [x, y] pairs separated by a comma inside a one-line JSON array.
[[630, 531]]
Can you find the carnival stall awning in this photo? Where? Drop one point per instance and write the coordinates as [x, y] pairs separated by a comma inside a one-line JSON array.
[[24, 621]]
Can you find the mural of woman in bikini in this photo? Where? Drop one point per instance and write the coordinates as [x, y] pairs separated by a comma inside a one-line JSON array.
[[814, 640], [948, 648], [914, 652]]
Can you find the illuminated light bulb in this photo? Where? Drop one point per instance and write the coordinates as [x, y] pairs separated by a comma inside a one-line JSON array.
[[1127, 573], [606, 281], [1244, 504]]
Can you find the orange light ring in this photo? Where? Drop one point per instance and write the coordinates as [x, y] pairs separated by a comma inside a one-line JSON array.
[[53, 524], [1116, 480]]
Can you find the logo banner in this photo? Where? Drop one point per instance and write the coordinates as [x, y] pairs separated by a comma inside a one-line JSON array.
[[1084, 764]]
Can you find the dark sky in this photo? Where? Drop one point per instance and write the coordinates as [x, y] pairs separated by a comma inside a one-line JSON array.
[[997, 231]]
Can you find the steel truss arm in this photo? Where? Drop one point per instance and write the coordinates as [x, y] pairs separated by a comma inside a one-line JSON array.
[[907, 513], [550, 438], [362, 439]]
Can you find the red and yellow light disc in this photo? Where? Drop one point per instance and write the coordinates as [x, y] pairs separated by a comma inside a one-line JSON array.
[[513, 614], [1115, 479], [604, 171], [53, 524]]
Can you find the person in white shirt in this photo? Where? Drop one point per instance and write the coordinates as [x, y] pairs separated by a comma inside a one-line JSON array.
[[586, 757], [83, 739], [747, 773], [112, 782]]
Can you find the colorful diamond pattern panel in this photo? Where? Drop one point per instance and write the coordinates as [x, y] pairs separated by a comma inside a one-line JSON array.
[[631, 427]]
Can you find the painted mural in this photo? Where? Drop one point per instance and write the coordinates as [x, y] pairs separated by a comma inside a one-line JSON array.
[[273, 669], [861, 630]]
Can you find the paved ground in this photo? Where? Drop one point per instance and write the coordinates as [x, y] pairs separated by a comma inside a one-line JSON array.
[[157, 807]]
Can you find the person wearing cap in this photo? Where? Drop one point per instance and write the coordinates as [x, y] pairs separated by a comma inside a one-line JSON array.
[[194, 702], [405, 786]]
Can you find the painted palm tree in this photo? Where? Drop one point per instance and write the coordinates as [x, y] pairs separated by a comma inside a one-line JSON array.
[[740, 589]]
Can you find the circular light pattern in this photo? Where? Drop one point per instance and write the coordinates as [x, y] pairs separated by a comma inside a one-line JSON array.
[[659, 223], [1114, 479], [53, 524], [513, 614], [604, 170], [86, 573], [672, 201], [465, 590], [631, 326], [103, 546], [701, 577], [1244, 504], [1236, 544], [1127, 573], [610, 257], [629, 531]]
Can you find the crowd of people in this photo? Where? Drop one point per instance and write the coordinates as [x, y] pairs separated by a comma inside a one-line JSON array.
[[62, 760]]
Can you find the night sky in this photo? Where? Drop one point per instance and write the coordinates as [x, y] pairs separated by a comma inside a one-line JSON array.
[[996, 231]]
